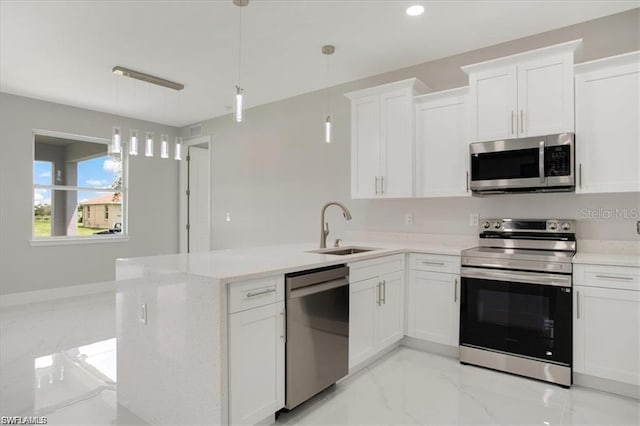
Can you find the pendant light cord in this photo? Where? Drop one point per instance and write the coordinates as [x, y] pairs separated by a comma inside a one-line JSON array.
[[239, 43]]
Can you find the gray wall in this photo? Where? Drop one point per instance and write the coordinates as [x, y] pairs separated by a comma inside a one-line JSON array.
[[153, 200], [272, 173]]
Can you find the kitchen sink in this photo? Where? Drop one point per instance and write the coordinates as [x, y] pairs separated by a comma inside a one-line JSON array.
[[343, 251]]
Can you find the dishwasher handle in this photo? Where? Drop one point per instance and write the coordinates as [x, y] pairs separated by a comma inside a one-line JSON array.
[[317, 288]]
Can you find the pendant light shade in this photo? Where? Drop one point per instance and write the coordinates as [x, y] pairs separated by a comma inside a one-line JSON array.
[[178, 148], [238, 105], [133, 142], [148, 145], [116, 140], [164, 146], [327, 130]]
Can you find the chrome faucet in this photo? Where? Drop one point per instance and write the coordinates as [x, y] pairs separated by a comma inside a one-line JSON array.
[[324, 226]]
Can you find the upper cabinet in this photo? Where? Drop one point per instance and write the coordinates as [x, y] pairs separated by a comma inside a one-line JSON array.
[[382, 140], [441, 144], [607, 129], [528, 94]]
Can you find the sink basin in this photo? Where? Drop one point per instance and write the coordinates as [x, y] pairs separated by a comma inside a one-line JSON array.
[[343, 251]]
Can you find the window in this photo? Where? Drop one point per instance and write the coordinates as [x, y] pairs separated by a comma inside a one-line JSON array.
[[73, 177]]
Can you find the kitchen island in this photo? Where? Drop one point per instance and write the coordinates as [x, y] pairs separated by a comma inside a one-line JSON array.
[[172, 316]]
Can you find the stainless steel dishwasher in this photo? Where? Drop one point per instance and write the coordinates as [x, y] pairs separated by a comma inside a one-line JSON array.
[[317, 349]]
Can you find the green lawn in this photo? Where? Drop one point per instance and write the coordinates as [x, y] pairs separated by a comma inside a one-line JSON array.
[[43, 228]]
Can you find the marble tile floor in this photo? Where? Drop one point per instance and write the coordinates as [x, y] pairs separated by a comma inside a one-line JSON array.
[[58, 359]]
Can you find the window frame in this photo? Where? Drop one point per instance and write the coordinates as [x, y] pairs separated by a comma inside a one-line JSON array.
[[74, 239]]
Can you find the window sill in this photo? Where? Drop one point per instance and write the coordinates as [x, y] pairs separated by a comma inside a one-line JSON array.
[[63, 241]]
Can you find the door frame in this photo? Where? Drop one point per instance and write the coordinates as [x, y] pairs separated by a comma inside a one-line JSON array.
[[182, 196]]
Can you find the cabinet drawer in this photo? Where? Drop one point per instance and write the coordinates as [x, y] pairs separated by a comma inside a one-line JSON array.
[[254, 293], [434, 263], [366, 269], [616, 277]]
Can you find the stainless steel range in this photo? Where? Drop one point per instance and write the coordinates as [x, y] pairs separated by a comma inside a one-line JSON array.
[[516, 304]]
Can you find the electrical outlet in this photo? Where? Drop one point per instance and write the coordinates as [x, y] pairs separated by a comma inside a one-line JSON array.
[[473, 219], [408, 219]]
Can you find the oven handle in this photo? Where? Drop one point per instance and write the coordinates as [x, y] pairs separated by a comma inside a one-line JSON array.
[[539, 278]]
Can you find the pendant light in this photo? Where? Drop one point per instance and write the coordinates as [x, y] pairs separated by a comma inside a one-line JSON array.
[[238, 101], [116, 140], [164, 146], [178, 148], [148, 145], [133, 142], [328, 50]]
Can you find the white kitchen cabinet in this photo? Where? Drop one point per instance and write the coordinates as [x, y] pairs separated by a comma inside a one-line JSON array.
[[390, 309], [607, 126], [363, 314], [527, 94], [376, 306], [606, 314], [256, 363], [434, 307], [606, 335], [441, 144], [382, 140]]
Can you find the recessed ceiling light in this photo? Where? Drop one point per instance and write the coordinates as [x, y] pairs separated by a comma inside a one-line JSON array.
[[415, 10]]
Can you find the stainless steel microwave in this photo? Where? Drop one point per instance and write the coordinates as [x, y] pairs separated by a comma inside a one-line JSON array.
[[540, 164]]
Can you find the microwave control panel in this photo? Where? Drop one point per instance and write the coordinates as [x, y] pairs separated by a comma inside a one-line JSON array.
[[557, 160]]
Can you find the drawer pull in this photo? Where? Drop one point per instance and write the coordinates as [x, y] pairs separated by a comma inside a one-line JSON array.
[[425, 262], [262, 293], [613, 277]]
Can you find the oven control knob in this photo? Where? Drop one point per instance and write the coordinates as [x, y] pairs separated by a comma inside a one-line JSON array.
[[553, 226], [566, 226], [486, 224], [497, 225]]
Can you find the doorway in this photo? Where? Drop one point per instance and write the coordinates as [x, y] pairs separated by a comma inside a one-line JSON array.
[[195, 190]]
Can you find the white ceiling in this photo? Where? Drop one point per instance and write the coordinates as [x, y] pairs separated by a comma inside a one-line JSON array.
[[63, 51]]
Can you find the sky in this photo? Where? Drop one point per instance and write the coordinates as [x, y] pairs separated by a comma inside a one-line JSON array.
[[98, 172]]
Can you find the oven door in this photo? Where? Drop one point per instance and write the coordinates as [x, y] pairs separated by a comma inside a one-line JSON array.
[[522, 313]]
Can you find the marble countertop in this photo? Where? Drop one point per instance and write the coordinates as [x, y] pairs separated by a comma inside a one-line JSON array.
[[612, 259], [247, 263]]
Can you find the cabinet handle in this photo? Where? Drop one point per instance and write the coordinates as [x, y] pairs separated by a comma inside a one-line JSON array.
[[467, 181], [521, 121], [382, 185], [578, 304], [426, 262], [455, 290], [580, 175], [384, 292], [261, 293], [376, 185], [614, 277], [283, 336], [512, 131], [378, 293]]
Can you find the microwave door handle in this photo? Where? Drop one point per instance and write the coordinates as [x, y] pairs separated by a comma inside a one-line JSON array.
[[541, 161]]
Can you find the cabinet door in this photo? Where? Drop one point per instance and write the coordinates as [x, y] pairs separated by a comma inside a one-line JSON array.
[[363, 304], [434, 310], [545, 96], [493, 104], [396, 144], [391, 309], [442, 148], [607, 130], [256, 383], [365, 146], [606, 336]]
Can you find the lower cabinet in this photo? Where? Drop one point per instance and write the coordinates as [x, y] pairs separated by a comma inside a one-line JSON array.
[[256, 363], [606, 339], [376, 312], [434, 306]]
